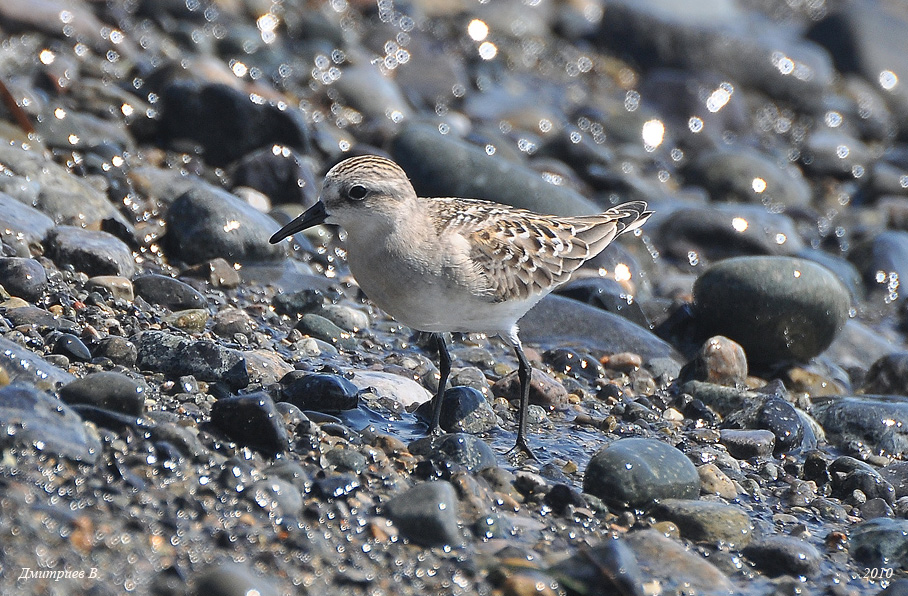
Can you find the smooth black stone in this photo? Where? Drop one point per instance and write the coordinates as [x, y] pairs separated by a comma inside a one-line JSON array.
[[176, 356], [777, 308], [225, 122], [320, 392], [24, 278], [92, 252], [115, 421], [34, 418], [636, 472], [71, 346], [849, 474], [253, 421], [773, 414], [784, 555], [455, 448], [463, 409], [109, 390], [169, 292], [196, 230], [336, 486], [426, 513]]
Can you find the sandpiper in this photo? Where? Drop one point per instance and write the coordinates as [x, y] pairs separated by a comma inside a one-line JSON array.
[[449, 264]]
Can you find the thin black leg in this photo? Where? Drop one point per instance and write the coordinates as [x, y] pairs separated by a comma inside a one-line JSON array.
[[444, 370], [524, 375]]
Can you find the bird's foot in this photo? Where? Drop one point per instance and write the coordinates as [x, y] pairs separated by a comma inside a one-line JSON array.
[[521, 447]]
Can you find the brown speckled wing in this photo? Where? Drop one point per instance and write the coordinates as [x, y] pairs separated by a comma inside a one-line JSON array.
[[518, 254]]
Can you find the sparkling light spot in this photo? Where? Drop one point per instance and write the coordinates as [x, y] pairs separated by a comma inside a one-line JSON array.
[[797, 273], [239, 69], [720, 97], [758, 185], [487, 50], [477, 30], [888, 80], [47, 57], [127, 109], [60, 113], [739, 224], [231, 225], [782, 239], [653, 134], [695, 124], [622, 272]]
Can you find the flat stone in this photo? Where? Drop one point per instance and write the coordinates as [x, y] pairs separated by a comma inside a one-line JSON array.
[[92, 252], [106, 389], [707, 521], [426, 514]]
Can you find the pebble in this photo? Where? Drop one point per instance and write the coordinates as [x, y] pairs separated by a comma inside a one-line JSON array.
[[72, 347], [719, 361], [713, 481], [784, 555], [217, 272], [611, 561], [207, 222], [403, 390], [191, 320], [467, 450], [253, 421], [426, 514], [882, 260], [675, 567], [24, 278], [876, 420], [777, 308], [889, 374], [544, 390], [281, 173], [92, 252], [118, 287], [319, 392], [34, 418], [169, 292], [637, 472], [118, 350], [880, 542], [21, 364], [463, 410], [42, 319], [279, 497], [205, 360], [745, 444], [707, 521], [321, 328], [110, 390]]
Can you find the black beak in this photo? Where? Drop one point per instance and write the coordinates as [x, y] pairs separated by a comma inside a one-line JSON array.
[[311, 217]]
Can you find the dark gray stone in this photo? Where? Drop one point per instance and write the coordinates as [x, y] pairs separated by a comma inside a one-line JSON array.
[[26, 366], [322, 328], [637, 472], [707, 521], [169, 292], [22, 226], [744, 444], [41, 319], [89, 251], [72, 347], [880, 542], [784, 555], [207, 222], [777, 308], [109, 390], [319, 392], [889, 374], [118, 349], [24, 278], [176, 356], [426, 514], [886, 252], [463, 410], [467, 450], [880, 421], [34, 418], [253, 421]]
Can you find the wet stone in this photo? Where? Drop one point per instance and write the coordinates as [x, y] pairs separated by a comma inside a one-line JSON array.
[[34, 418], [40, 318], [744, 444], [713, 481], [707, 521], [887, 252], [92, 252], [118, 349], [24, 365], [207, 222], [611, 561], [321, 328], [230, 321], [69, 345], [467, 450], [205, 360], [880, 542], [849, 475], [544, 390], [253, 421], [427, 514], [22, 226], [606, 294], [169, 292], [463, 409], [109, 390], [277, 496], [878, 420], [216, 272], [191, 320], [777, 308], [784, 555], [720, 361], [117, 287], [674, 566], [24, 278], [636, 472], [319, 392], [346, 460], [284, 176]]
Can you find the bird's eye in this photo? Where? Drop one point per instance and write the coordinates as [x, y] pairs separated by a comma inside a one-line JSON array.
[[357, 192]]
